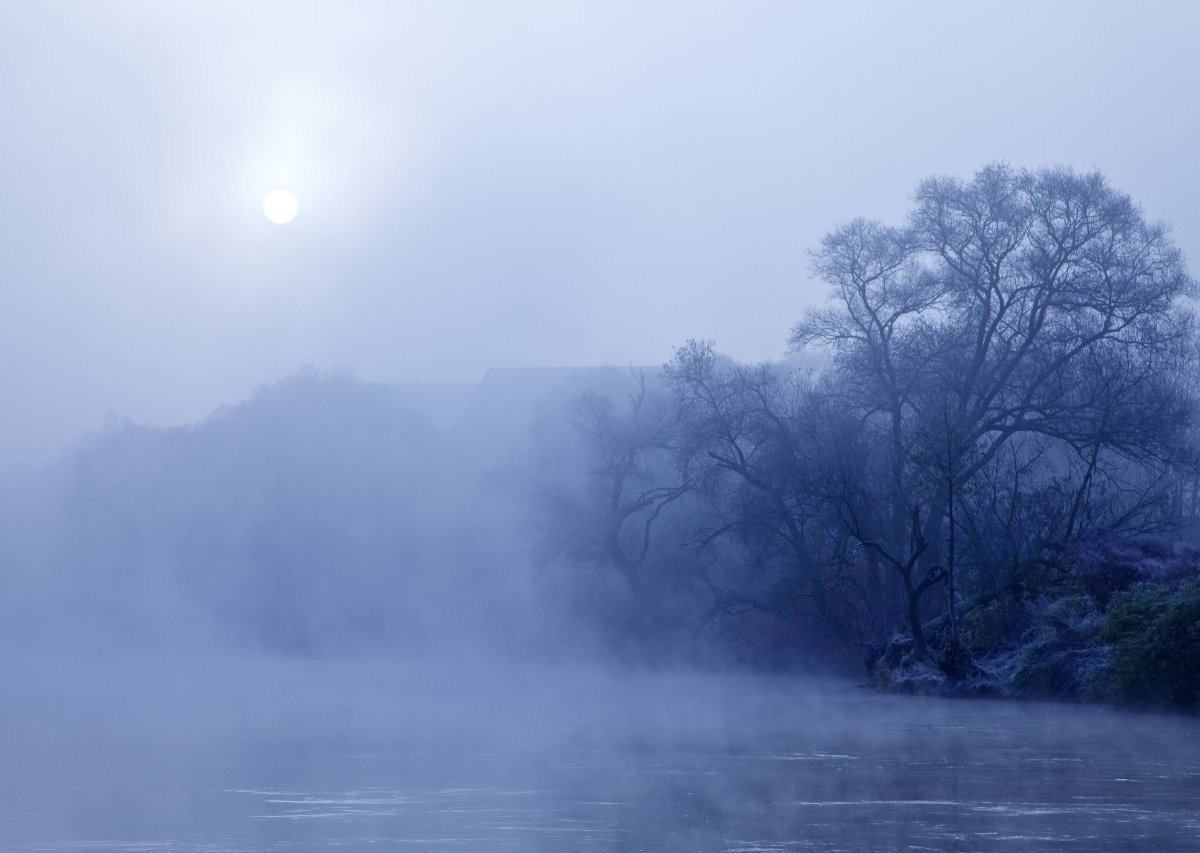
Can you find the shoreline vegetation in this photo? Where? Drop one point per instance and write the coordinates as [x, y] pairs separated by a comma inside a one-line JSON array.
[[1142, 652], [984, 446]]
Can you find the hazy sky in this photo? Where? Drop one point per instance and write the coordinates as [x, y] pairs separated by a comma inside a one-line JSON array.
[[506, 184]]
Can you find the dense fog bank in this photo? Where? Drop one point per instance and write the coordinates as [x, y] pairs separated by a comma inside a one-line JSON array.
[[327, 516], [977, 468], [323, 516]]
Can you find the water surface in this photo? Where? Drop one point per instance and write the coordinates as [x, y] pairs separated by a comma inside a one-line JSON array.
[[226, 758]]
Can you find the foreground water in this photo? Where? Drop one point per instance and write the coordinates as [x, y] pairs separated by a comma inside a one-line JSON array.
[[224, 758]]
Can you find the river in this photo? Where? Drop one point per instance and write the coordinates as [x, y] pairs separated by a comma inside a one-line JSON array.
[[221, 757]]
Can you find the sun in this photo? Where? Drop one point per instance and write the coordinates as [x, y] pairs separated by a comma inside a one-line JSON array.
[[280, 206]]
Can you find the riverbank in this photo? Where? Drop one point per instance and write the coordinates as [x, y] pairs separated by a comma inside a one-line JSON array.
[[1138, 646]]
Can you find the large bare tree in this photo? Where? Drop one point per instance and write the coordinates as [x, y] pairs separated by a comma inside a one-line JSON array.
[[1013, 304]]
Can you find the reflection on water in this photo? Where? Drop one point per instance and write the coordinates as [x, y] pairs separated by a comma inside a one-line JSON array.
[[376, 759]]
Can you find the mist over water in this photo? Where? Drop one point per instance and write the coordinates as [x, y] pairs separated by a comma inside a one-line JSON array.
[[302, 624], [245, 755], [341, 615]]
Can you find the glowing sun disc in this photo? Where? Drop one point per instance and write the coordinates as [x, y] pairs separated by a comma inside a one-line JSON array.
[[280, 206]]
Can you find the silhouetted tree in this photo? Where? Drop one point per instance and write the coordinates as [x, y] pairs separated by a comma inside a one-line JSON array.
[[750, 443], [1014, 304], [602, 494]]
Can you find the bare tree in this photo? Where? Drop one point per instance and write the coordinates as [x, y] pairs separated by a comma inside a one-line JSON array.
[[601, 497], [1013, 304], [630, 450], [748, 444]]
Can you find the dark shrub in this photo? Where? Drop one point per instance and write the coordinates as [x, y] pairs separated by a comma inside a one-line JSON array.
[[1155, 630]]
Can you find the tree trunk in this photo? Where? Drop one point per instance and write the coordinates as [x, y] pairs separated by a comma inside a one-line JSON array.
[[950, 591], [920, 650]]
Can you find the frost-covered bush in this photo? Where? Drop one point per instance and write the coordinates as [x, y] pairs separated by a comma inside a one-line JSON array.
[[1061, 655], [1104, 567], [892, 667], [1155, 631]]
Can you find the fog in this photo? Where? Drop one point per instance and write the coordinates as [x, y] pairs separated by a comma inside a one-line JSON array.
[[540, 185], [680, 426], [370, 755]]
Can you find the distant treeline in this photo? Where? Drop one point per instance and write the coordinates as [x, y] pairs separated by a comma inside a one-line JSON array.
[[324, 515]]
